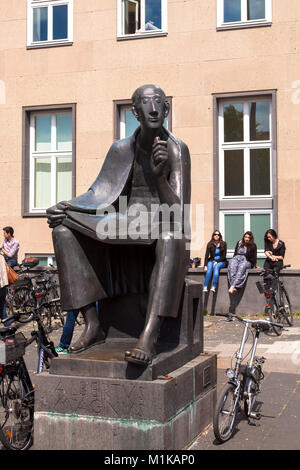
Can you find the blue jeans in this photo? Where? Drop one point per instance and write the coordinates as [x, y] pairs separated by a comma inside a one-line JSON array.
[[68, 329], [11, 262], [3, 313], [215, 271]]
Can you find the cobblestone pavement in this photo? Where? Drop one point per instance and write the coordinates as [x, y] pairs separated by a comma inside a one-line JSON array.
[[279, 404]]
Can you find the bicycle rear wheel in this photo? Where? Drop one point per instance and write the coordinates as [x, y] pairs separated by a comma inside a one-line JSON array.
[[275, 317], [16, 411], [225, 414], [23, 303], [288, 313]]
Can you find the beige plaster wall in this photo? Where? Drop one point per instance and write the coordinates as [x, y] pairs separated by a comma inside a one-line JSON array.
[[190, 63]]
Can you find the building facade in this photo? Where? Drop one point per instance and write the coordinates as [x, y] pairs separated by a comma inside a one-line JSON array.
[[230, 69]]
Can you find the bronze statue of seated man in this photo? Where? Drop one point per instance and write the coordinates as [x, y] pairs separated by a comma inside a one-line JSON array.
[[151, 169]]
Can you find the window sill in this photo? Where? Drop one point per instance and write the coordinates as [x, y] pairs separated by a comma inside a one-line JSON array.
[[243, 25], [142, 35], [41, 45], [34, 214]]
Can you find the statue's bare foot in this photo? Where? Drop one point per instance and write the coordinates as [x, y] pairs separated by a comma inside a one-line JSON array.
[[142, 354], [87, 340], [138, 356]]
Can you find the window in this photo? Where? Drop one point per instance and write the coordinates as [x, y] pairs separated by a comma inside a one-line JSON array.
[[50, 23], [243, 13], [141, 17], [126, 123], [44, 259], [233, 224], [245, 148], [48, 157], [245, 166]]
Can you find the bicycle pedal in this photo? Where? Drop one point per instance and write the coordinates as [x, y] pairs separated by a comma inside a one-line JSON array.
[[255, 415]]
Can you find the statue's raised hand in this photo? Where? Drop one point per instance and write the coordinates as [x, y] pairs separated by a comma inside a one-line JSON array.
[[56, 214], [159, 158]]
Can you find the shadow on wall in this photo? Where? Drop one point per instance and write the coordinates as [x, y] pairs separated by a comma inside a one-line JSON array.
[[233, 299]]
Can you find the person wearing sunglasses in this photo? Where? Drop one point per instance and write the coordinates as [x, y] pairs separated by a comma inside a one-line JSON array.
[[215, 260]]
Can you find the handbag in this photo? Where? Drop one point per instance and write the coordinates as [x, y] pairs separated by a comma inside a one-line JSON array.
[[12, 276]]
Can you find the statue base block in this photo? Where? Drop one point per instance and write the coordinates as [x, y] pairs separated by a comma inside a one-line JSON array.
[[93, 413]]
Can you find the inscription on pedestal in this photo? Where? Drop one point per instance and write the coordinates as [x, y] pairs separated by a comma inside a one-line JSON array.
[[87, 397]]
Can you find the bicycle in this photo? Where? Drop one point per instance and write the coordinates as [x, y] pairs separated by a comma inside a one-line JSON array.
[[28, 293], [278, 306], [244, 382], [16, 389]]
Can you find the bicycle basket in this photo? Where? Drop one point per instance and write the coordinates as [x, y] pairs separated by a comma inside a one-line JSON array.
[[12, 348], [30, 262]]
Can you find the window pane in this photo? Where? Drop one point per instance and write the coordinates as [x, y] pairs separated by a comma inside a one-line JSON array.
[[42, 187], [64, 132], [234, 229], [260, 223], [153, 15], [131, 123], [256, 9], [43, 133], [63, 179], [40, 24], [260, 172], [234, 172], [260, 120], [233, 122], [60, 22], [43, 260], [131, 16], [232, 10]]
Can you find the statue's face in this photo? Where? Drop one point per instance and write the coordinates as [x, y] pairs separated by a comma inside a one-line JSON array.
[[151, 109]]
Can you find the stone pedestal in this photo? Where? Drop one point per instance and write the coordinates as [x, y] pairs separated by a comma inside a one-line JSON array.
[[76, 412], [96, 400]]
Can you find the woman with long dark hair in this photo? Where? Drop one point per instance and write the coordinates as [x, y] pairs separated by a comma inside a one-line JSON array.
[[215, 260], [274, 250], [244, 258]]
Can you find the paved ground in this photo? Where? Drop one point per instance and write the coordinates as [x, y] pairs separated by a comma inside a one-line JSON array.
[[279, 402]]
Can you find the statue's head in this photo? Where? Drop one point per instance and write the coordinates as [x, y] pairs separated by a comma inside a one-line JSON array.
[[149, 106]]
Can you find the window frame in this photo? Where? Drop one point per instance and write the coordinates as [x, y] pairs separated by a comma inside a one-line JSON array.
[[142, 34], [246, 145], [239, 204], [119, 108], [243, 23], [49, 257], [50, 42], [27, 161]]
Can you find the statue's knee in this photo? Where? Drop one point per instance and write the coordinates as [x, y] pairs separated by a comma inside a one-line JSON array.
[[61, 232]]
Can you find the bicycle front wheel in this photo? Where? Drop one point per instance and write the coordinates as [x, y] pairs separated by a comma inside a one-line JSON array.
[[16, 412], [288, 313], [225, 415]]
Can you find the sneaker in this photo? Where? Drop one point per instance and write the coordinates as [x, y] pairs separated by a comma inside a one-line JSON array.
[[205, 289], [60, 350], [213, 289]]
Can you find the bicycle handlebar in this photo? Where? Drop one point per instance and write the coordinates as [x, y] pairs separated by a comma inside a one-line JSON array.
[[231, 316], [272, 271]]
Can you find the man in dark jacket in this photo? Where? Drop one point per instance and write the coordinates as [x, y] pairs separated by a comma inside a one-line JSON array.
[[150, 168]]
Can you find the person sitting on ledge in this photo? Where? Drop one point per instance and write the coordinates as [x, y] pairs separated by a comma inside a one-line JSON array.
[[244, 258], [215, 260]]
